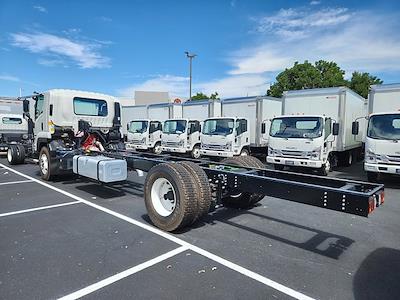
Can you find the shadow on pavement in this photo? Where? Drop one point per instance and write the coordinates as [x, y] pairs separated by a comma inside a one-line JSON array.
[[378, 276]]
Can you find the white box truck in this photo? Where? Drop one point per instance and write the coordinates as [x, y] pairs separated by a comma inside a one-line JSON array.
[[382, 141], [13, 129], [242, 128], [315, 129], [183, 135], [144, 124]]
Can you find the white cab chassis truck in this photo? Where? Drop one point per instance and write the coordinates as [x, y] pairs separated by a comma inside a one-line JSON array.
[[143, 125], [58, 125], [315, 130], [183, 135], [382, 141], [242, 128], [13, 129]]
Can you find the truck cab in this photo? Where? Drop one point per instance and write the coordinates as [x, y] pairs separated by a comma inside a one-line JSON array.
[[13, 129], [144, 135], [382, 145], [61, 121], [181, 136], [225, 137], [302, 141]]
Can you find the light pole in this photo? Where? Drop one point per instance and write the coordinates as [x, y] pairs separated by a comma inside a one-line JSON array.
[[190, 56]]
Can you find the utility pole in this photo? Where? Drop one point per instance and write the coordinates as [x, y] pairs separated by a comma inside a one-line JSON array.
[[190, 56]]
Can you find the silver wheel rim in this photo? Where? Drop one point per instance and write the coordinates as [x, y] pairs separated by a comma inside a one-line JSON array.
[[244, 153], [350, 158], [196, 152], [157, 149], [9, 156], [163, 197], [327, 166], [44, 164]]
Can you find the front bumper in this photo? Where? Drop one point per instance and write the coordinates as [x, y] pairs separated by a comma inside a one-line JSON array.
[[137, 146], [216, 153], [382, 168], [294, 162], [174, 149]]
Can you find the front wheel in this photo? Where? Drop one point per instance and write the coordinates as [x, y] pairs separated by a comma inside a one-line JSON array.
[[157, 148], [195, 152], [325, 169], [45, 164], [244, 152]]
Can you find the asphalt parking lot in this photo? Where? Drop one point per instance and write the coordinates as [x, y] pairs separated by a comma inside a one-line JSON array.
[[75, 238]]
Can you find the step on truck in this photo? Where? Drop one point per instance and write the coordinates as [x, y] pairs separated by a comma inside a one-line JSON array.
[[63, 122], [183, 135], [382, 141], [242, 129], [315, 129], [142, 125]]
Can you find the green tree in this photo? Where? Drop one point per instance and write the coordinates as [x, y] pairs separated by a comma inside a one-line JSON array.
[[214, 96], [199, 96], [361, 82], [332, 74]]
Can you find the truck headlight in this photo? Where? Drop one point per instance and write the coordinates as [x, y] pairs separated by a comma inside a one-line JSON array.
[[143, 140], [274, 152], [315, 154], [370, 156], [181, 143], [228, 146]]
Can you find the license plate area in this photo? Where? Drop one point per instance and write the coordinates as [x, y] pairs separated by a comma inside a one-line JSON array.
[[289, 162]]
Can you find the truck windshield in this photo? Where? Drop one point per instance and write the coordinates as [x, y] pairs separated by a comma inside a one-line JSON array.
[[138, 126], [384, 127], [174, 126], [218, 126], [296, 127]]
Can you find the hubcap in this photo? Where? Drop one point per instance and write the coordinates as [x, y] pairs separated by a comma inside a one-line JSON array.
[[157, 149], [163, 197], [244, 153], [196, 152], [9, 156], [44, 164]]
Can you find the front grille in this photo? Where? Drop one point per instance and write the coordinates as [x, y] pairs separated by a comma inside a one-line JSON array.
[[171, 144], [290, 153], [394, 158], [213, 147]]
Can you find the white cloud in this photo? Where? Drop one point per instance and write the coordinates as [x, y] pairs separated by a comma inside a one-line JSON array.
[[7, 77], [40, 8], [315, 2], [177, 86], [82, 53], [367, 41]]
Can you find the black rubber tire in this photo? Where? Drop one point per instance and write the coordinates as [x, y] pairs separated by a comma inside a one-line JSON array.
[[373, 177], [279, 167], [244, 152], [154, 150], [346, 159], [323, 171], [12, 155], [192, 153], [186, 208], [49, 175], [244, 199], [21, 154], [203, 186]]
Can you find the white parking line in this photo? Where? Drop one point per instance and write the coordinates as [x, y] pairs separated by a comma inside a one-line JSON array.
[[15, 182], [107, 281], [275, 285], [37, 208]]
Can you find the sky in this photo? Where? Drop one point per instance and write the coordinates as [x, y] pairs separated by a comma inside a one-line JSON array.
[[117, 47]]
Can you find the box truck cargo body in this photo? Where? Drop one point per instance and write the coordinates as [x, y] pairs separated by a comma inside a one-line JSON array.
[[382, 142], [144, 125], [242, 128], [315, 129], [183, 135]]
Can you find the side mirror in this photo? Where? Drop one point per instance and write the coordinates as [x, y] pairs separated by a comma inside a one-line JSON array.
[[335, 129], [263, 128], [355, 128], [25, 105]]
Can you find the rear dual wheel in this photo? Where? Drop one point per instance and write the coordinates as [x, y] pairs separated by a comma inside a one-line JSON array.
[[16, 154], [176, 195]]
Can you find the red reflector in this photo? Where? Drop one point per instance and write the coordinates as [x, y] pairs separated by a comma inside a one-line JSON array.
[[382, 197], [371, 204]]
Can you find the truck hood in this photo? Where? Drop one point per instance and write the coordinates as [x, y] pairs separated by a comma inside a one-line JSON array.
[[136, 136], [172, 137], [383, 147], [294, 144]]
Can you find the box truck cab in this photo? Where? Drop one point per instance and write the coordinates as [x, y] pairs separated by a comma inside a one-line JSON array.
[[144, 135], [13, 129], [243, 128], [382, 141], [315, 130], [225, 137], [143, 124], [181, 136]]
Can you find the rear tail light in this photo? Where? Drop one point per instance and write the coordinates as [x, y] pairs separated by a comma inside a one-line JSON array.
[[371, 204], [382, 197]]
